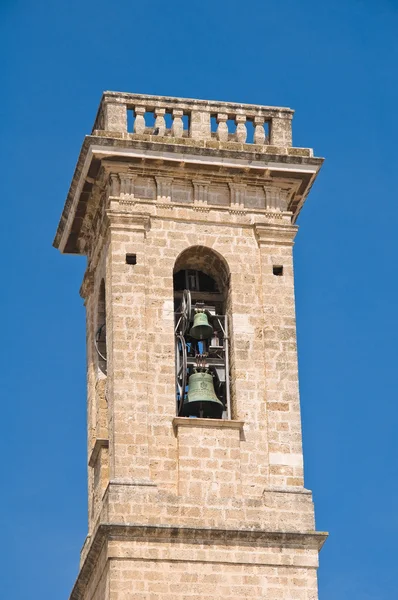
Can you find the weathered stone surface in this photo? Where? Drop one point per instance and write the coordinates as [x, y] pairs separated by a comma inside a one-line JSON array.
[[181, 507]]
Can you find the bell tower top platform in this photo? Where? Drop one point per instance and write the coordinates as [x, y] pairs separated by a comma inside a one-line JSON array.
[[252, 143]]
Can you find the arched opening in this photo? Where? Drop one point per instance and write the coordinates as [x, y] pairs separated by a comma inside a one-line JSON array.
[[201, 297], [100, 334]]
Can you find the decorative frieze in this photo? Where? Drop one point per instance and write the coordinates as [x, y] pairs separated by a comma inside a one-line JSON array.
[[271, 198]]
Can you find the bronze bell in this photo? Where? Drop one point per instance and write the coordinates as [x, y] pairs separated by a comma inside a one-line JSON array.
[[201, 328], [201, 400]]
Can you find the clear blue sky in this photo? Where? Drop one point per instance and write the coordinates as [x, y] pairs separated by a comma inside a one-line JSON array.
[[335, 63]]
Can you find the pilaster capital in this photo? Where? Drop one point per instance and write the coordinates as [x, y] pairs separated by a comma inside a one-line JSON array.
[[125, 221], [200, 191], [237, 195], [275, 235]]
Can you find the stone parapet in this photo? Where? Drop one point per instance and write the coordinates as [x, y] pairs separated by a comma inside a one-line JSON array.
[[214, 139], [177, 117]]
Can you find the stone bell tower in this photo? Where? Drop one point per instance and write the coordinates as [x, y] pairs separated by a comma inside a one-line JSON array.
[[185, 210]]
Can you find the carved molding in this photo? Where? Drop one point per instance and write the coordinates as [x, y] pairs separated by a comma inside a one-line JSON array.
[[237, 209], [200, 207], [125, 221], [268, 234]]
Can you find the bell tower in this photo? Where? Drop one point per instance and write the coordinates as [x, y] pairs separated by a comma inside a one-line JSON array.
[[186, 212]]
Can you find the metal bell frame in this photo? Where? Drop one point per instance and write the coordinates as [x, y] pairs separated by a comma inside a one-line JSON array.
[[184, 363]]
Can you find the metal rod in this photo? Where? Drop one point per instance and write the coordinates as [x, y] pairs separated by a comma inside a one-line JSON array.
[[176, 327], [226, 344], [220, 324]]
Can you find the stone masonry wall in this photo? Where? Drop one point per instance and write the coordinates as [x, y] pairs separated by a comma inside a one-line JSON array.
[[179, 508], [153, 469], [140, 382]]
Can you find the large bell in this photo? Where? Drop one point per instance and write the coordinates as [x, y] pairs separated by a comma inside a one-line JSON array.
[[201, 328], [201, 400]]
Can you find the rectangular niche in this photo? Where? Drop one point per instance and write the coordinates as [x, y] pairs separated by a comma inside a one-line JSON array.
[[219, 195], [182, 191], [255, 197], [145, 187]]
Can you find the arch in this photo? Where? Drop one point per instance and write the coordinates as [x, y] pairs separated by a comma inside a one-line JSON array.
[[208, 261], [201, 282]]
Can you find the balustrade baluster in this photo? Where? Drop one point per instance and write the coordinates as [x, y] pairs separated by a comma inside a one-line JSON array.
[[259, 133], [241, 130], [222, 129], [139, 121], [160, 124], [177, 127]]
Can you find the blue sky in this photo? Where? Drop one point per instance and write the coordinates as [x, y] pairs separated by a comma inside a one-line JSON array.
[[335, 63]]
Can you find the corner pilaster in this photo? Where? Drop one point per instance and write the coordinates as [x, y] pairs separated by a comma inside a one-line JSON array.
[[281, 369], [126, 288]]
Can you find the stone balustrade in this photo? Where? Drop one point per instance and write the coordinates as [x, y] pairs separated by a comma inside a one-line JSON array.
[[129, 115]]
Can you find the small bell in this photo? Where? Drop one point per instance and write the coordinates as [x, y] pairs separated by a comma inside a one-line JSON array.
[[201, 328]]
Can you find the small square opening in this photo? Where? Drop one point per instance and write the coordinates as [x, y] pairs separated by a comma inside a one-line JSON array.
[[277, 270], [131, 259]]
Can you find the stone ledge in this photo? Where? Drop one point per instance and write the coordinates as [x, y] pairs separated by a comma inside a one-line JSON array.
[[99, 444], [195, 422], [308, 540]]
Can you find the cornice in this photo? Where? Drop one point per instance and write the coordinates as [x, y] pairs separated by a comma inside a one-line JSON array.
[[221, 156]]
